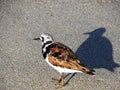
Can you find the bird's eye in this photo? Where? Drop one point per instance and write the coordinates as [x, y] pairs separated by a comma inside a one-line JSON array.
[[48, 37]]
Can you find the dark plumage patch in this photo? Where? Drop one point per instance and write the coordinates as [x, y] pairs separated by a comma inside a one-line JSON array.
[[47, 49], [56, 54], [69, 67], [90, 73], [46, 44], [83, 69]]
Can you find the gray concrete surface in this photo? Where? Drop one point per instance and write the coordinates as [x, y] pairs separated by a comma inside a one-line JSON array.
[[22, 66]]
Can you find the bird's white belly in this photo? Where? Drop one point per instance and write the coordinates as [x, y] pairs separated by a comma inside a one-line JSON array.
[[60, 69]]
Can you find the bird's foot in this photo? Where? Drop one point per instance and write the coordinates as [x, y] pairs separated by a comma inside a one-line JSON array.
[[58, 83], [56, 80]]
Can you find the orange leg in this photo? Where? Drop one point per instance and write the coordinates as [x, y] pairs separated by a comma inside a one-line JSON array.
[[61, 79]]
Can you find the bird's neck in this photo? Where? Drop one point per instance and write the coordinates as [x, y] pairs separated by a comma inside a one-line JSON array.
[[47, 43], [45, 48]]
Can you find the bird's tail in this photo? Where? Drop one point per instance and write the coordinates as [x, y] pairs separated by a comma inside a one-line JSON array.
[[86, 70]]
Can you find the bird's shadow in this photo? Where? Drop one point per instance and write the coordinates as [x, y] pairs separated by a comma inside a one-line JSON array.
[[96, 51], [69, 77]]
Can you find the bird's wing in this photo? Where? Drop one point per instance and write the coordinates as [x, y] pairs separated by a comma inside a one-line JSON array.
[[63, 56]]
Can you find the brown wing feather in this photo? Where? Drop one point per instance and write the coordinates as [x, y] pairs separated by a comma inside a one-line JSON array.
[[61, 55]]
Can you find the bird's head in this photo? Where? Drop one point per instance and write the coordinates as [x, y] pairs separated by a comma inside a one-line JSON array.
[[45, 38]]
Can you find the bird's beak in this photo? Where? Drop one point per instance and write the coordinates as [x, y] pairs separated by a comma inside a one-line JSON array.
[[36, 39]]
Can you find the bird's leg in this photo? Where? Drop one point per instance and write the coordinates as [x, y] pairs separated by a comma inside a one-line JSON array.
[[62, 80], [59, 79]]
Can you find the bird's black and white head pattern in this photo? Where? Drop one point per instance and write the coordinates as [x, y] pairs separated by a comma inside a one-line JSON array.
[[47, 40]]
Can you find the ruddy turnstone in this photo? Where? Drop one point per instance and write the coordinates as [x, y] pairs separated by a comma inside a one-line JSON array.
[[61, 57]]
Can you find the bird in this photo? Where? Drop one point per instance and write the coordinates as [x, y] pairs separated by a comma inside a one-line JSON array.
[[61, 57]]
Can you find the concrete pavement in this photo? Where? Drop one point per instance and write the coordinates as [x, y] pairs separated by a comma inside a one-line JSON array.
[[22, 66]]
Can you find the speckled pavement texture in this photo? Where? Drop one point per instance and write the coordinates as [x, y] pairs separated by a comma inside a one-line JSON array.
[[91, 28]]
